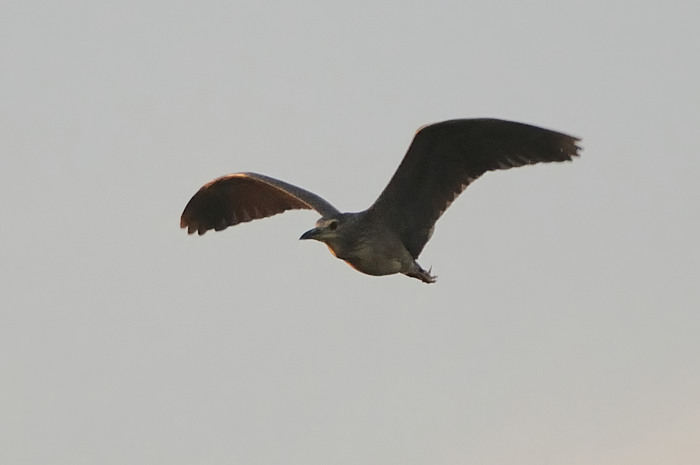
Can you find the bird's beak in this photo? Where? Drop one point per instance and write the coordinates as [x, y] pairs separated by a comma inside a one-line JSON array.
[[310, 234]]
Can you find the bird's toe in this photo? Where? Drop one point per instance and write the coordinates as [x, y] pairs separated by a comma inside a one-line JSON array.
[[423, 275]]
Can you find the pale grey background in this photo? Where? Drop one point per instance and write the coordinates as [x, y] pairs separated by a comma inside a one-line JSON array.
[[564, 328]]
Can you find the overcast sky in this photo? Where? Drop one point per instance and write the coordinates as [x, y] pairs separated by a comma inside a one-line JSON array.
[[565, 324]]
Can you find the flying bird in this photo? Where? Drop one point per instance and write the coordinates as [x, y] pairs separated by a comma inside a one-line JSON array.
[[387, 238]]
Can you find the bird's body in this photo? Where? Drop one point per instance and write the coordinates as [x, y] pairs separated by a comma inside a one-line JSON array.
[[388, 237], [368, 246]]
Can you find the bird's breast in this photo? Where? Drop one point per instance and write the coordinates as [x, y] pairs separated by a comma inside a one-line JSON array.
[[376, 257]]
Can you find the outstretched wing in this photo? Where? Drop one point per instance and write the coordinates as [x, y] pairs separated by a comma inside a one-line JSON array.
[[445, 157], [241, 197]]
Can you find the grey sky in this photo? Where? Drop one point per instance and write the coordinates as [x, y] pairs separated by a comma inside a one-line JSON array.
[[564, 326]]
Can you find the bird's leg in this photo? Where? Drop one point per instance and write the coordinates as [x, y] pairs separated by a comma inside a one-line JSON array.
[[420, 273]]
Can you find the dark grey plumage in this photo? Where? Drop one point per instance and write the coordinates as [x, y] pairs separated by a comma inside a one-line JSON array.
[[443, 159]]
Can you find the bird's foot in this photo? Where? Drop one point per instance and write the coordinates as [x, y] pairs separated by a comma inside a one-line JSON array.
[[423, 275]]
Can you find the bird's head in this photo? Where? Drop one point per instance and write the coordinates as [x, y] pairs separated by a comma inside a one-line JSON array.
[[326, 229], [332, 231]]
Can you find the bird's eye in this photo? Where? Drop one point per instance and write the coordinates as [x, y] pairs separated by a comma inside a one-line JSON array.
[[333, 225]]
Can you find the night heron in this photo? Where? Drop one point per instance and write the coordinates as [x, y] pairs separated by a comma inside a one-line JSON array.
[[387, 238]]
